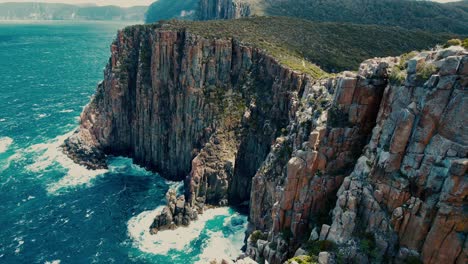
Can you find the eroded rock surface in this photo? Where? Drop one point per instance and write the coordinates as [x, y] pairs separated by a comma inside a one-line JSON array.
[[374, 160], [405, 196], [409, 188]]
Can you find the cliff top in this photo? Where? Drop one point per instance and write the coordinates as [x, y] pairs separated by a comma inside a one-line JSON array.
[[300, 44]]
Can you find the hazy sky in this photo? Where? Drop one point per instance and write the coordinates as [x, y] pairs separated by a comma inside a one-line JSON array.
[[122, 2]]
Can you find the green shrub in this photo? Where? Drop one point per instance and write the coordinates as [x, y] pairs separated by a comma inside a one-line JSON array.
[[397, 76], [256, 235], [303, 260], [465, 43], [405, 58], [313, 248], [324, 102], [425, 70], [367, 245], [453, 42]]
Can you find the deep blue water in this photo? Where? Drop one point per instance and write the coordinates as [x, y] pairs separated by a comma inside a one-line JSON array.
[[53, 211]]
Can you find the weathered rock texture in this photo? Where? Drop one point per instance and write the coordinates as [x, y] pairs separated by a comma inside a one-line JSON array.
[[406, 195], [293, 192], [410, 186], [223, 9], [191, 108], [176, 213], [388, 160]]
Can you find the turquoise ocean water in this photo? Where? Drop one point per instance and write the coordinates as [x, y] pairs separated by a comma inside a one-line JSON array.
[[53, 211]]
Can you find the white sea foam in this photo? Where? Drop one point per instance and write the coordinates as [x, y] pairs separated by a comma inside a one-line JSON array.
[[66, 111], [6, 163], [57, 261], [5, 143], [178, 186], [51, 154], [219, 246], [162, 242], [20, 244]]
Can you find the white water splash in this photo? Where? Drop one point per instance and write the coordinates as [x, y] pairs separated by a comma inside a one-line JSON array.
[[178, 186], [178, 239], [50, 155], [5, 143], [219, 246], [57, 261]]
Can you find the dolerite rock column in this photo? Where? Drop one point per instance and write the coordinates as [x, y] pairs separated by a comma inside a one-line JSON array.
[[409, 189], [296, 186]]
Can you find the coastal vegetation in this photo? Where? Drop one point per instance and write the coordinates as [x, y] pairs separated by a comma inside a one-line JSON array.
[[314, 47]]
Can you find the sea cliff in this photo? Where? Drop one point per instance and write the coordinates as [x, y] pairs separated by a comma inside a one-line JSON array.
[[346, 160]]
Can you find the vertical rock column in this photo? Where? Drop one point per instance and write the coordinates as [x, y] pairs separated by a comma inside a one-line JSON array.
[[411, 183]]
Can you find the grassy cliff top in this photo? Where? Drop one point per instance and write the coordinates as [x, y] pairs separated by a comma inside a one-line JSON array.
[[298, 43]]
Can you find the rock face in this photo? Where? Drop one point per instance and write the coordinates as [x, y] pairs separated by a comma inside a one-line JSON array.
[[373, 161], [223, 9], [295, 188], [405, 196], [194, 109], [409, 187], [176, 213]]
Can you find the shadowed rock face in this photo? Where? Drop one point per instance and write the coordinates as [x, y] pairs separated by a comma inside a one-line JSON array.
[[190, 108], [331, 159]]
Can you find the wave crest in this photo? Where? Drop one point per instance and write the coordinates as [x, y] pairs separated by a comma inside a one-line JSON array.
[[50, 154]]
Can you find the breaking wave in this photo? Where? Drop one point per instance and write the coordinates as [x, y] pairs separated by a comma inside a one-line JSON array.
[[50, 154], [224, 242]]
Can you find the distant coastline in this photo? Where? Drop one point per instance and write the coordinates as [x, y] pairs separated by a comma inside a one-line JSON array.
[[57, 12]]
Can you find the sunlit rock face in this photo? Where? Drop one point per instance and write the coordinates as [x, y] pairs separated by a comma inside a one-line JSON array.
[[409, 187], [379, 151], [393, 166]]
